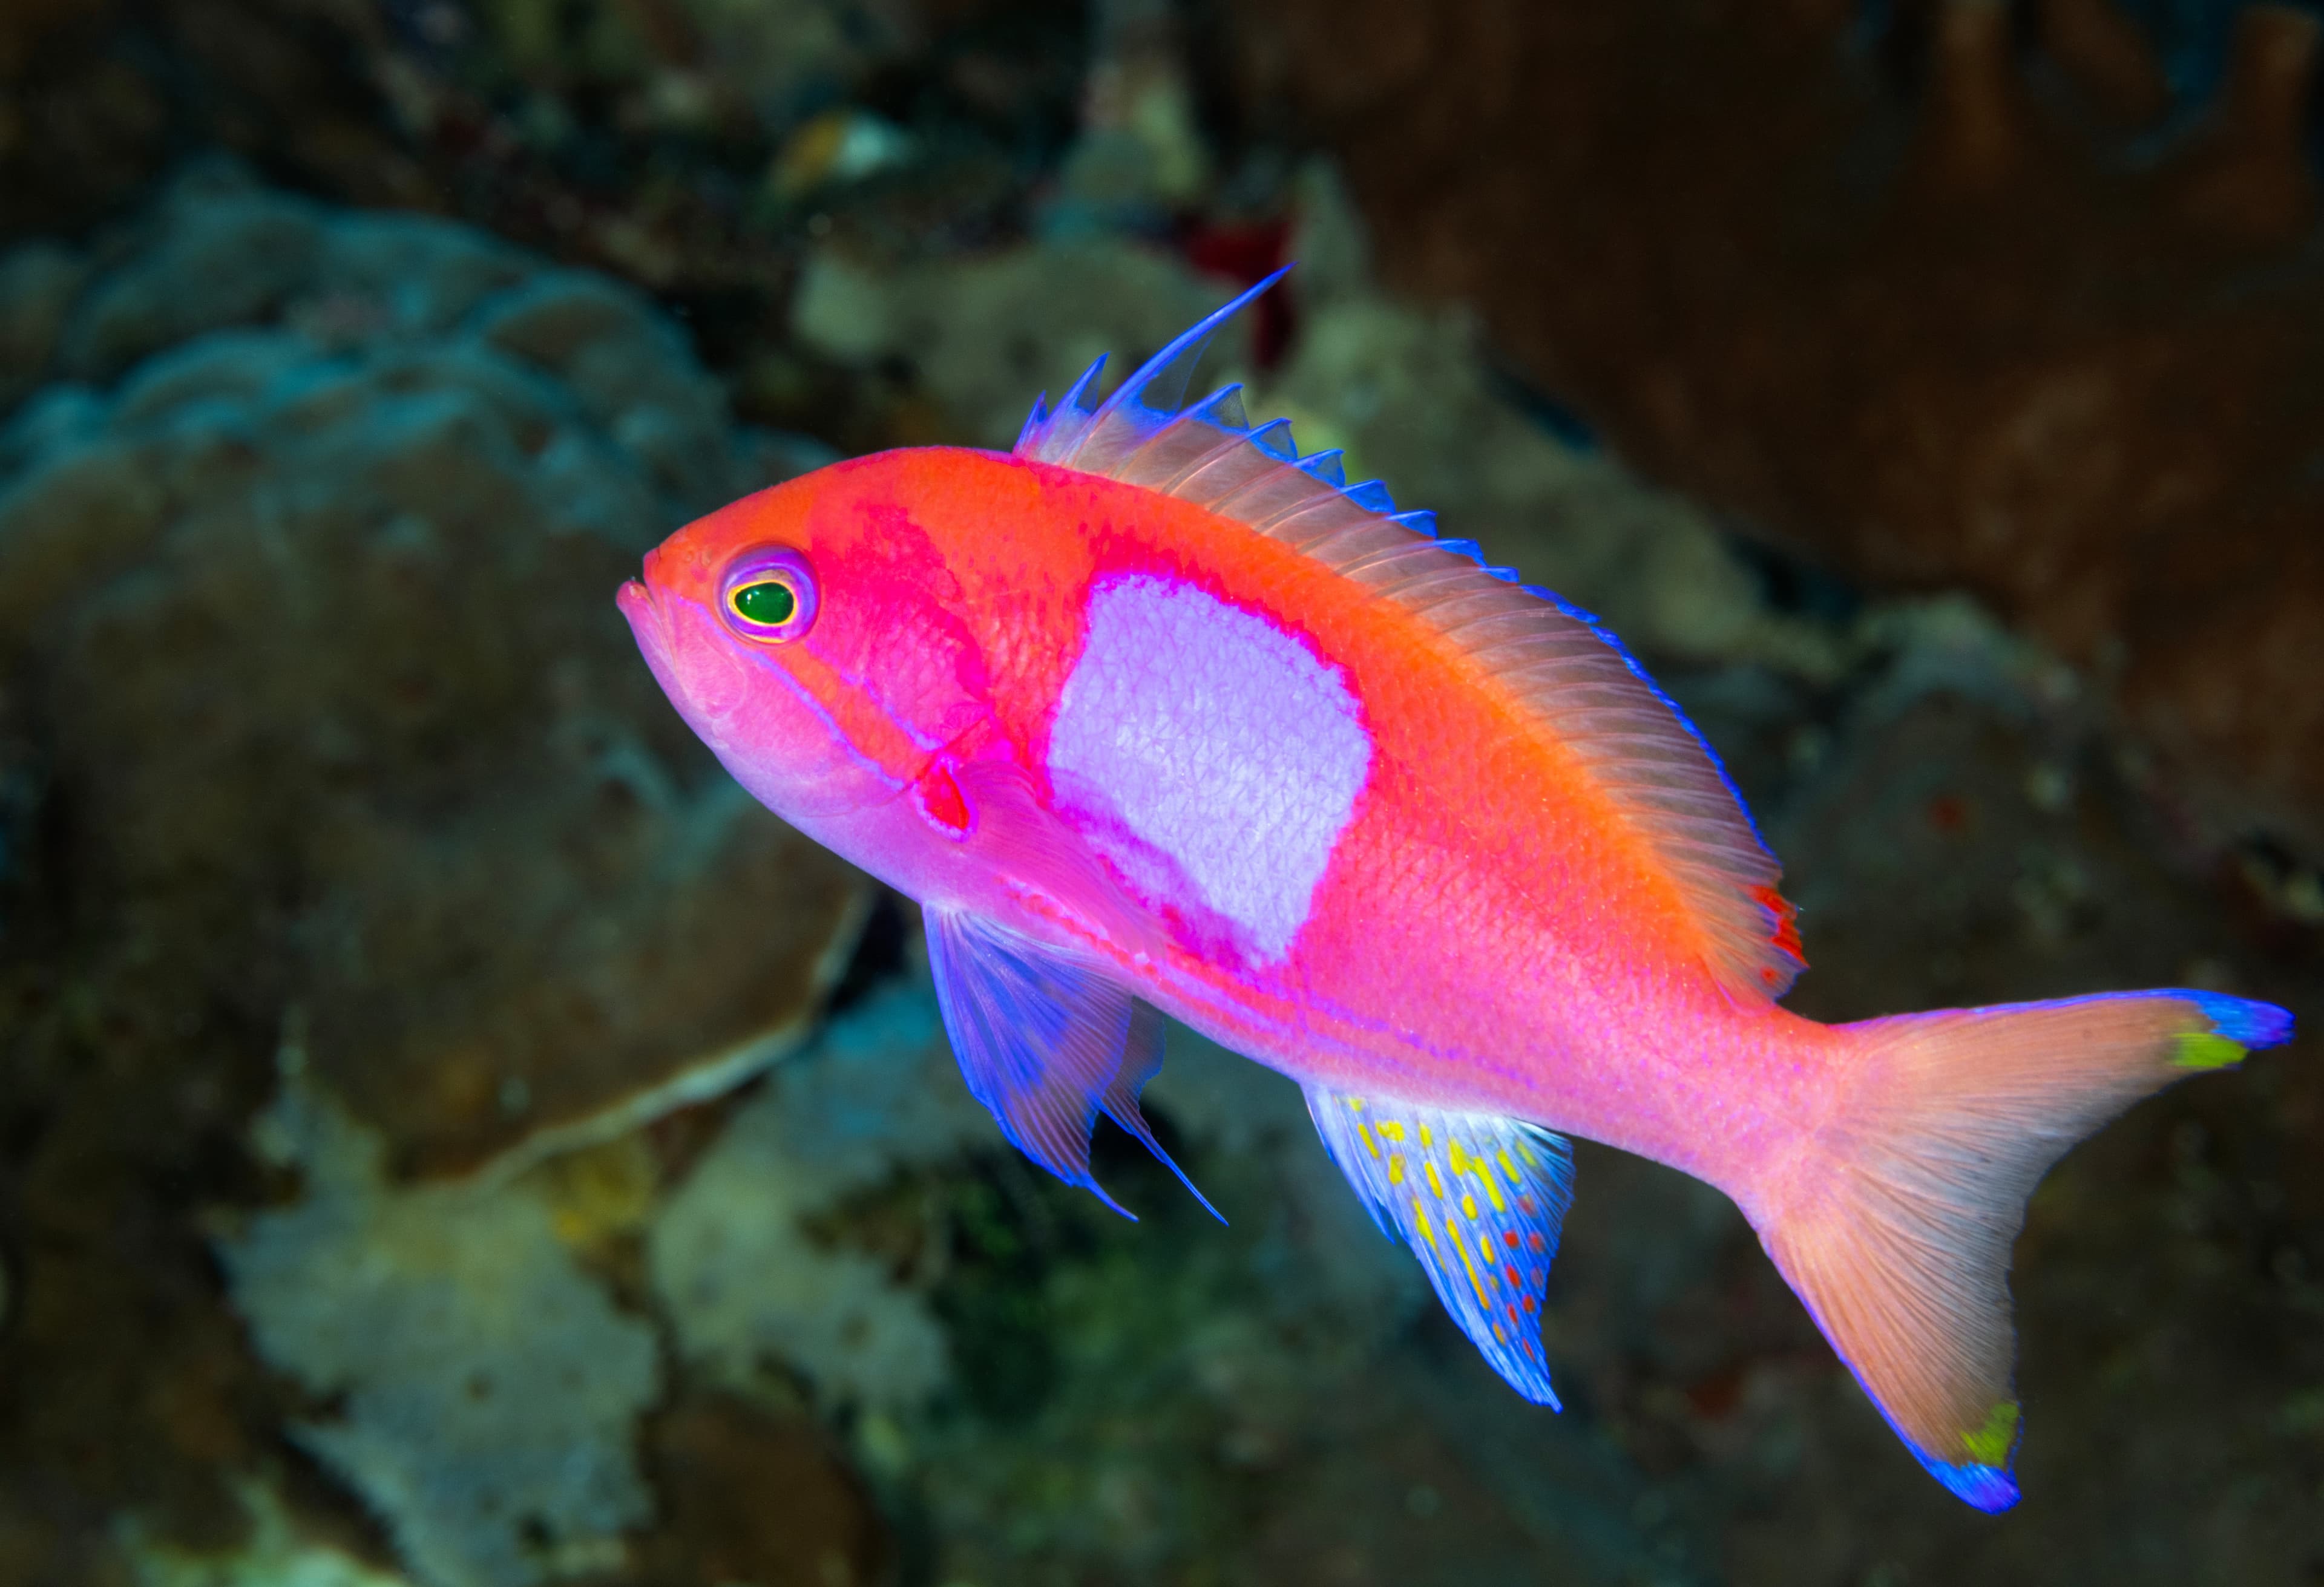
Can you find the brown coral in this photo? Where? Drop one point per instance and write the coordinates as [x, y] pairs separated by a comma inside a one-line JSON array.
[[1911, 300]]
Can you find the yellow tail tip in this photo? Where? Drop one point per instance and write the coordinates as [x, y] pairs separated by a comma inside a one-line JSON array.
[[1990, 1445], [2206, 1049]]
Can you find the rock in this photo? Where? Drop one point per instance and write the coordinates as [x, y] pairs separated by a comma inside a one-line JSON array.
[[278, 1552], [758, 1497], [731, 1259], [319, 736], [373, 510], [690, 60], [1935, 320], [38, 282], [484, 1390], [982, 336]]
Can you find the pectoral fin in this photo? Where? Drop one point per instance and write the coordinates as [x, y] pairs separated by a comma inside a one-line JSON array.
[[1478, 1198], [1047, 1042]]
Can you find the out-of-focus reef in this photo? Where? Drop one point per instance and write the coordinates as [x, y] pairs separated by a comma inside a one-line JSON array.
[[308, 560], [324, 741], [1406, 392], [2020, 298], [99, 97], [484, 1390], [372, 934]]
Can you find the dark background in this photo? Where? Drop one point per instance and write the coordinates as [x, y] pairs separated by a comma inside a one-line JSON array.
[[1931, 391]]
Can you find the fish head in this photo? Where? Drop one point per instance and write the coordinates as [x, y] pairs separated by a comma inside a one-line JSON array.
[[809, 635]]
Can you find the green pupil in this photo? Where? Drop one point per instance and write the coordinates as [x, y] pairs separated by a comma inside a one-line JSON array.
[[771, 603]]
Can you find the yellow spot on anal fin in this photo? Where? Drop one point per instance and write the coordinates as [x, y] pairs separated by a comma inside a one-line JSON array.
[[1425, 1140], [1468, 1206], [1390, 1130], [1420, 1217], [1435, 1182], [1989, 1444], [1475, 1282], [1493, 1190], [2206, 1049], [1365, 1130], [1510, 1168], [1355, 1104], [1396, 1169]]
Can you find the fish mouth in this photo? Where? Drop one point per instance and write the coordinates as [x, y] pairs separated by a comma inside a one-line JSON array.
[[647, 619]]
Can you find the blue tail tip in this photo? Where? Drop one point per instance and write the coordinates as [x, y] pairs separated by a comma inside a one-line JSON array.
[[1984, 1479], [2243, 1021], [1991, 1489]]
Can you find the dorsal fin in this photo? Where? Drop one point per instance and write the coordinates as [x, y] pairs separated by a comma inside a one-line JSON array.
[[1566, 671]]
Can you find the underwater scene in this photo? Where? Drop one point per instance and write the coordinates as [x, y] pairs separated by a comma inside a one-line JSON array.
[[567, 1022]]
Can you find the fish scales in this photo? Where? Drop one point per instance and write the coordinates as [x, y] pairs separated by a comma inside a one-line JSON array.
[[1152, 713]]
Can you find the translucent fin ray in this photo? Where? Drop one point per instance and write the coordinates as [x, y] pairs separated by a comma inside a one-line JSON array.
[[1478, 1198], [1560, 668], [1896, 1227], [1047, 1042]]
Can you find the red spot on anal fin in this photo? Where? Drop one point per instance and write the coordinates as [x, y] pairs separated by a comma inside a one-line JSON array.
[[941, 801], [1787, 934]]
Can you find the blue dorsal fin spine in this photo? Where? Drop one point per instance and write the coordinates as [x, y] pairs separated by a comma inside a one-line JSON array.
[[1151, 395], [1223, 408], [1274, 438], [1325, 466]]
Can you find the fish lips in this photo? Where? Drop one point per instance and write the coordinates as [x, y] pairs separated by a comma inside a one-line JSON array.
[[775, 737]]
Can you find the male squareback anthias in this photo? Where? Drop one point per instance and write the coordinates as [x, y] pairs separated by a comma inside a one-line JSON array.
[[1153, 713]]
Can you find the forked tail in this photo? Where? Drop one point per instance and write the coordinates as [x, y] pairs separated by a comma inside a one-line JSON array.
[[1896, 1226]]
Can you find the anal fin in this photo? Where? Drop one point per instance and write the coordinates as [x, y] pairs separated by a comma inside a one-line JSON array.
[[1478, 1198], [1046, 1042]]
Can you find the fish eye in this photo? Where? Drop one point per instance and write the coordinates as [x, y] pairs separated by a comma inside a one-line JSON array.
[[769, 595]]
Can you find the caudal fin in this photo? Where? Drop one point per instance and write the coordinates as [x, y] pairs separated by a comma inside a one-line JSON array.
[[1895, 1228]]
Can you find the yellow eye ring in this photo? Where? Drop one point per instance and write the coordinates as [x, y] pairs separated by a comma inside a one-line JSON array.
[[769, 595]]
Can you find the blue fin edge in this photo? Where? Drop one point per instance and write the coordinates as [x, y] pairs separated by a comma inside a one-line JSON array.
[[2242, 1020], [1991, 1489], [1165, 376]]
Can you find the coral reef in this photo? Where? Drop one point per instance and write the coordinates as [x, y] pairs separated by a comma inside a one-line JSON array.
[[353, 491], [730, 1256], [1902, 289], [99, 97], [450, 1136], [1406, 393], [484, 1389], [323, 736]]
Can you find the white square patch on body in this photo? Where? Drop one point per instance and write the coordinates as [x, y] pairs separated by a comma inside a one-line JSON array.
[[1217, 740]]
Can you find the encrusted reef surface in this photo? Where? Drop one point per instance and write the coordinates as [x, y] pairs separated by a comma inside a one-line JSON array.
[[450, 1138], [326, 752]]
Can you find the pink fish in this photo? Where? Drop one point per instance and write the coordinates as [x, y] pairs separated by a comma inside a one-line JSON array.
[[1154, 714]]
